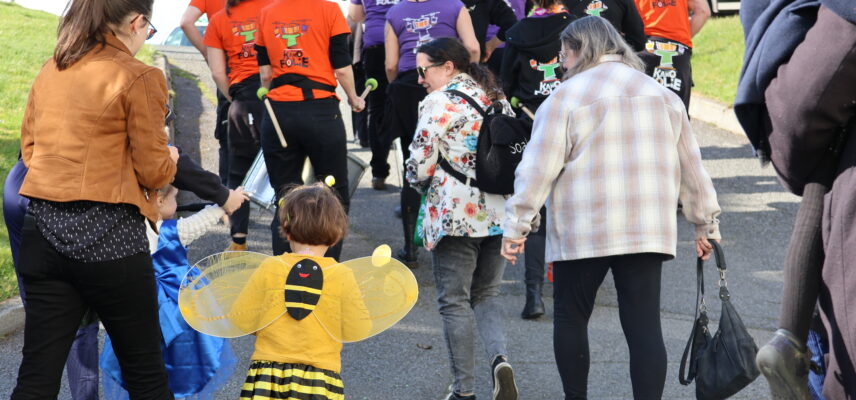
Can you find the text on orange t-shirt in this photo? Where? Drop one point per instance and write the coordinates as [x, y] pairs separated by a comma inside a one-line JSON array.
[[669, 19], [297, 36]]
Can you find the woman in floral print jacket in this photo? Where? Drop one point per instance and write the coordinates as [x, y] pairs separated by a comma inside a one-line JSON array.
[[461, 226]]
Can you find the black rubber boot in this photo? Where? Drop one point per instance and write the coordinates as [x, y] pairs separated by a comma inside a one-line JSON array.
[[534, 307], [407, 254], [410, 201]]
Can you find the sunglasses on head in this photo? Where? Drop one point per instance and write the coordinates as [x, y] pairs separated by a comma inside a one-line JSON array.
[[421, 70], [152, 29]]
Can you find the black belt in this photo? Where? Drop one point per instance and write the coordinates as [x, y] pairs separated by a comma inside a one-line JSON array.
[[302, 82]]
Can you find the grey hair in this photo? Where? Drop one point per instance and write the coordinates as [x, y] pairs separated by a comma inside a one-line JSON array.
[[591, 38]]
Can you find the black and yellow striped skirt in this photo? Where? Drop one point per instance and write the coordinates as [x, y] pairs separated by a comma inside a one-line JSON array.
[[274, 380]]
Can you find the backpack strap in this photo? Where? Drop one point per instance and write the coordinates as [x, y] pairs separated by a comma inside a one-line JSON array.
[[469, 100], [443, 163]]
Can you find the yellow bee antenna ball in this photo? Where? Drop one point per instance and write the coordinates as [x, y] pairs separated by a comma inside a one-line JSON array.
[[330, 180]]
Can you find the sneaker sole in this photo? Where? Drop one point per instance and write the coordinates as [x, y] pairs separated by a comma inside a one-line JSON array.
[[505, 387], [781, 388]]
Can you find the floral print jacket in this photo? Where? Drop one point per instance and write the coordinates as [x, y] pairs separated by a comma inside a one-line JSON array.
[[449, 127]]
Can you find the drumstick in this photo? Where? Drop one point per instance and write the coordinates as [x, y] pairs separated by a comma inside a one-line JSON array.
[[515, 102], [371, 85], [262, 95]]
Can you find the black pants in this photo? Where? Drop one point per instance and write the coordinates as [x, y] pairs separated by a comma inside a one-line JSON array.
[[668, 62], [379, 140], [314, 129], [359, 120], [220, 133], [122, 292], [536, 244], [245, 117], [401, 117], [637, 281]]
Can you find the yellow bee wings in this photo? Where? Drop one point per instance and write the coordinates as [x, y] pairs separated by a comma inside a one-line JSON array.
[[237, 293]]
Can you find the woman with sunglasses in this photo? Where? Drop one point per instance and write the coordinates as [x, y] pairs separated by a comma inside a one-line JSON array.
[[461, 223], [94, 166], [410, 24]]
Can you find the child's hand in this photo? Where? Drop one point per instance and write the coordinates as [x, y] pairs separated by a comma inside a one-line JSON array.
[[173, 154], [236, 198]]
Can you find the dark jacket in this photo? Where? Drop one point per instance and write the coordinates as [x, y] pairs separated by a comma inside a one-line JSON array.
[[490, 12], [771, 33], [810, 102], [622, 14], [530, 64]]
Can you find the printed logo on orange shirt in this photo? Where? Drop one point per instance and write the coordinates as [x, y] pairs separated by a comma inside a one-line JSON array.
[[247, 30], [663, 3], [292, 56]]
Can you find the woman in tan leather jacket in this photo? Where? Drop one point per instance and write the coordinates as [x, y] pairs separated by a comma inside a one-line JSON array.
[[93, 140]]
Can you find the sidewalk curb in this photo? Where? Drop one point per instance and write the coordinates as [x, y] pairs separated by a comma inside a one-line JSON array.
[[714, 113], [11, 315]]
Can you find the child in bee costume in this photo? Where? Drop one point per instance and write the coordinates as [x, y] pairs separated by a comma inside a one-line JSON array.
[[197, 364], [301, 306]]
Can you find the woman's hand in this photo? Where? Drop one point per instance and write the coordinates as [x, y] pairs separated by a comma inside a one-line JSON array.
[[704, 248], [512, 247], [236, 198]]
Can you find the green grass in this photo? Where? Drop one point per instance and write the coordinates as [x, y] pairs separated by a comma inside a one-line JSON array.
[[27, 40], [717, 58], [208, 94]]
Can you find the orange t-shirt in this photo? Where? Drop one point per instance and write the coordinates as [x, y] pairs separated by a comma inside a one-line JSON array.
[[668, 19], [209, 7], [297, 36], [235, 34]]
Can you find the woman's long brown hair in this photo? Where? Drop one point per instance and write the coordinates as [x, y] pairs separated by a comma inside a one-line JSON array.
[[86, 22]]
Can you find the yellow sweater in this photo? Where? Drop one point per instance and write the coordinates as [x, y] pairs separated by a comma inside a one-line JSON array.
[[307, 341]]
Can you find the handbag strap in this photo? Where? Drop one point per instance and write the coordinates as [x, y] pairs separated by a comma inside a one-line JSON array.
[[701, 320], [686, 376]]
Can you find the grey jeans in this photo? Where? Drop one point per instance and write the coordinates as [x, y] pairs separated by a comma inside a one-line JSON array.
[[468, 273]]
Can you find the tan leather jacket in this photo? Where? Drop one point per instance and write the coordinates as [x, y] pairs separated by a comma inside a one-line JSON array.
[[95, 131]]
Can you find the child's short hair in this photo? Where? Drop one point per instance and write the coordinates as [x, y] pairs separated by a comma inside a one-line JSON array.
[[166, 190], [313, 215]]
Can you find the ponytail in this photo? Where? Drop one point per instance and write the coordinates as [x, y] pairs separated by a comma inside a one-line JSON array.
[[451, 49], [85, 24], [485, 78], [230, 4]]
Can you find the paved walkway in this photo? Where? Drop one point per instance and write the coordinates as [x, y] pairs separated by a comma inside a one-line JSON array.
[[410, 360]]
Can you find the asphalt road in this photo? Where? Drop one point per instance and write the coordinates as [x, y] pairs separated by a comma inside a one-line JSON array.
[[410, 360]]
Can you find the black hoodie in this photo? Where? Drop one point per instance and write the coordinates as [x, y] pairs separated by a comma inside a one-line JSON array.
[[530, 64], [622, 14]]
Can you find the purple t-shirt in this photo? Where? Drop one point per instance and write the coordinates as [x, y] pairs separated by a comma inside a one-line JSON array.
[[417, 23], [518, 7], [375, 19]]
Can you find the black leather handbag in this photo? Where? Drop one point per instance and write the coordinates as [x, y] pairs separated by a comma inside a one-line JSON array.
[[724, 364]]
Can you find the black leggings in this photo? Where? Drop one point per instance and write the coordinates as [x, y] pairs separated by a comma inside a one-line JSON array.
[[637, 281]]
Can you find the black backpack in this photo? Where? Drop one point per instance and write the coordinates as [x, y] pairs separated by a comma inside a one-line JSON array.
[[501, 142]]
